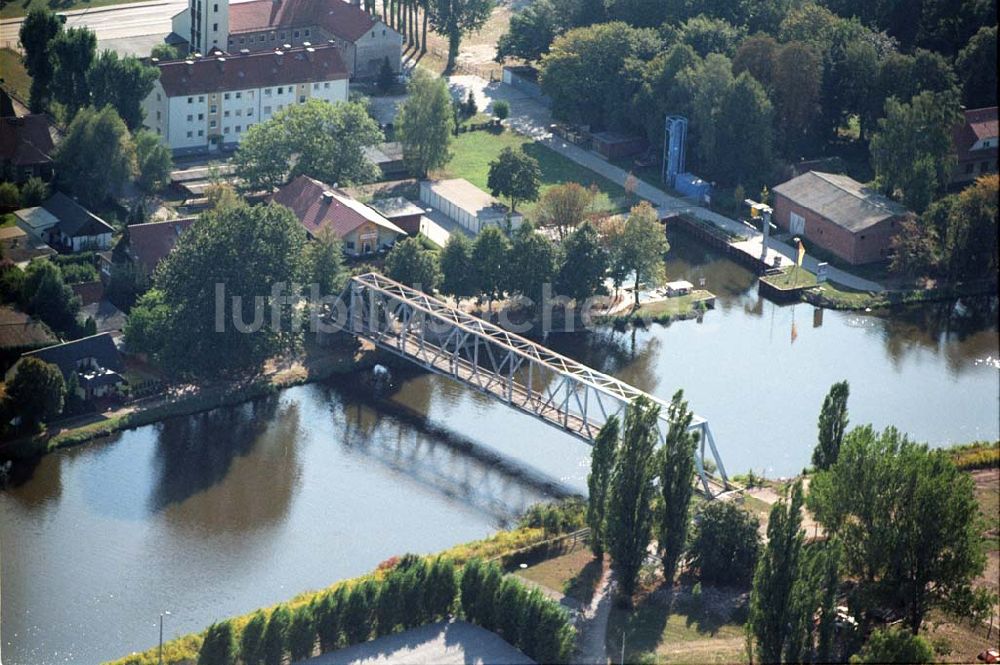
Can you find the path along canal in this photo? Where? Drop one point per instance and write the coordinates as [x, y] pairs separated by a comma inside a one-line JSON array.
[[219, 513]]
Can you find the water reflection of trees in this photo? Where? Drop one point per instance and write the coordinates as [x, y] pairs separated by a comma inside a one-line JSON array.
[[691, 260], [629, 355], [231, 469], [965, 334], [407, 442]]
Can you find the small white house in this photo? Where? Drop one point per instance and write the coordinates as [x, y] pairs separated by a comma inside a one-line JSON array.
[[66, 225], [468, 205]]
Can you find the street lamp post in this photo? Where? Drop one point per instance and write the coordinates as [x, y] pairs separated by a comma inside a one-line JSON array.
[[162, 614]]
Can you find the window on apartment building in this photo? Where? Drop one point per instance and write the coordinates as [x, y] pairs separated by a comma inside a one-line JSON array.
[[215, 7], [249, 111], [226, 96], [190, 100], [239, 112], [315, 86], [307, 32], [201, 132], [281, 91], [383, 32], [201, 116], [296, 34], [157, 115], [239, 128], [302, 99], [158, 132], [262, 38], [242, 40], [373, 34], [225, 114], [212, 125], [190, 117], [215, 27], [213, 109], [326, 85], [239, 95], [267, 110], [273, 36], [157, 96], [190, 134], [201, 98], [225, 130], [267, 91]]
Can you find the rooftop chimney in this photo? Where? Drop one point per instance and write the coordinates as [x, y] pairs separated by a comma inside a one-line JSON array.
[[328, 197]]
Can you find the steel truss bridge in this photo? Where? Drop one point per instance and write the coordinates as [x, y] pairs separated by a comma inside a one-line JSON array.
[[522, 374]]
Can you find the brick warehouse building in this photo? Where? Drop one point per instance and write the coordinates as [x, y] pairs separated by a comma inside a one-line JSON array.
[[838, 214]]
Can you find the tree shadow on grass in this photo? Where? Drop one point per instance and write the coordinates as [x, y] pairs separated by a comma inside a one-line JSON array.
[[583, 585], [642, 626]]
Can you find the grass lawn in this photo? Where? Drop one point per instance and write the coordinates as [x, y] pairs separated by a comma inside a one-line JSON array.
[[575, 574], [473, 152], [16, 8], [693, 630], [12, 71], [792, 278]]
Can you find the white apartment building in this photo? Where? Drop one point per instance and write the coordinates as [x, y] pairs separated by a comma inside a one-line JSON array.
[[209, 103]]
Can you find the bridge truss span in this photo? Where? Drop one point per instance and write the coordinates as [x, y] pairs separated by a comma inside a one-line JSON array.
[[515, 370]]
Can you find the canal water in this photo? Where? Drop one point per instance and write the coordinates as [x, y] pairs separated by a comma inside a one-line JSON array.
[[219, 513]]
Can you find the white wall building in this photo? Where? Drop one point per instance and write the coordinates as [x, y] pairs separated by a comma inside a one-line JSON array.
[[208, 103], [468, 205]]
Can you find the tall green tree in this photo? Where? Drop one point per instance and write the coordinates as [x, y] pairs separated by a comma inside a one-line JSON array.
[[726, 544], [832, 426], [209, 331], [746, 133], [533, 261], [73, 52], [38, 30], [458, 274], [773, 613], [584, 265], [409, 263], [47, 296], [455, 18], [602, 461], [252, 639], [490, 255], [219, 645], [642, 247], [301, 634], [514, 175], [908, 521], [318, 139], [122, 83], [675, 467], [629, 520], [710, 35], [324, 262], [36, 392], [977, 68], [96, 133], [530, 33], [563, 207], [796, 80], [970, 248], [912, 150], [426, 124], [153, 161], [275, 635]]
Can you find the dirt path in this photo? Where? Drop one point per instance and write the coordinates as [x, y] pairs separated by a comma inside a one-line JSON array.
[[593, 625]]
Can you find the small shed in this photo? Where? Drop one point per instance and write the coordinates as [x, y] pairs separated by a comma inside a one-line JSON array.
[[389, 158], [612, 145], [468, 205], [400, 211], [679, 288]]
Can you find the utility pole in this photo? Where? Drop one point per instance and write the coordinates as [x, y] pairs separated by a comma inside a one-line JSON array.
[[162, 614]]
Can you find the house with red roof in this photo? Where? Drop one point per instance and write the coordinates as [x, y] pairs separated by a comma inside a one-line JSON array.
[[264, 25], [148, 244], [208, 103], [361, 229], [975, 142]]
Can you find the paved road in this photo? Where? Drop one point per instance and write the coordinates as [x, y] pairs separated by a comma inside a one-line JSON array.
[[533, 119], [451, 643], [110, 24]]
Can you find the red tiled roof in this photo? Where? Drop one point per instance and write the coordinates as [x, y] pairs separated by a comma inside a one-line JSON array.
[[977, 124], [317, 206], [89, 292], [337, 17], [26, 141], [150, 243], [252, 70]]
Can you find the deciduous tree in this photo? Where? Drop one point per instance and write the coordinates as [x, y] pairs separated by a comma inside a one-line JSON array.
[[318, 139], [674, 464], [36, 392], [96, 133], [642, 247], [426, 124], [38, 30], [458, 274], [584, 266], [153, 161], [409, 263], [455, 18], [832, 426], [533, 262], [490, 256], [629, 519], [726, 544], [563, 207], [893, 645], [122, 83], [73, 54], [530, 33], [515, 175], [977, 68], [602, 461]]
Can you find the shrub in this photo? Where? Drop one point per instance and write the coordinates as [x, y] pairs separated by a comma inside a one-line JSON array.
[[894, 645], [301, 633], [440, 590], [501, 109], [219, 647], [252, 639], [470, 587], [275, 635], [726, 544], [34, 192], [357, 616], [388, 606], [9, 196], [328, 618], [509, 601]]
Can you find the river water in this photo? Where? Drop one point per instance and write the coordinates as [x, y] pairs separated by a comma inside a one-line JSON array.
[[219, 513]]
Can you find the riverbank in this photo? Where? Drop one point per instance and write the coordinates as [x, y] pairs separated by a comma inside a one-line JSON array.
[[315, 364], [834, 296], [520, 542]]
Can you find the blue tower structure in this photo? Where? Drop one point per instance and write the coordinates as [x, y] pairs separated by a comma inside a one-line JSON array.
[[674, 139]]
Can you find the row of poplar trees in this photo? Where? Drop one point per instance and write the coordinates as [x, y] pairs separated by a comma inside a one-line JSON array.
[[626, 508]]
